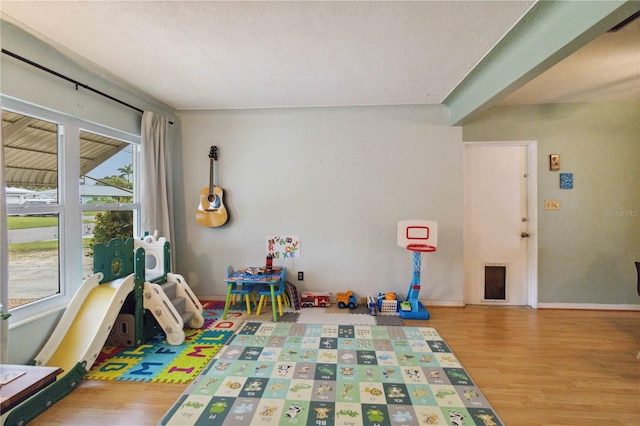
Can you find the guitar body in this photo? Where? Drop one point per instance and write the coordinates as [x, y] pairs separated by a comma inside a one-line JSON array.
[[211, 211]]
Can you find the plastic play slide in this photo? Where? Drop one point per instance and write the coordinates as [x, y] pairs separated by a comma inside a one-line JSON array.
[[76, 342]]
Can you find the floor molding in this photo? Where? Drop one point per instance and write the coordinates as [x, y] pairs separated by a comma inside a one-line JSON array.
[[590, 306], [553, 305]]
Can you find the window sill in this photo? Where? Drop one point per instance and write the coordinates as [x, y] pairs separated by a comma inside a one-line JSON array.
[[35, 313]]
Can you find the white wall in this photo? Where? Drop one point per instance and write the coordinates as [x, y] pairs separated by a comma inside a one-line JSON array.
[[340, 178]]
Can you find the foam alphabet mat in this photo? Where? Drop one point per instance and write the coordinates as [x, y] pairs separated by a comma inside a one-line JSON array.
[[158, 361], [311, 374]]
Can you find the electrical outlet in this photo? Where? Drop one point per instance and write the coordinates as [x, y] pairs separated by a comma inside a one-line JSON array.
[[300, 275], [552, 204]]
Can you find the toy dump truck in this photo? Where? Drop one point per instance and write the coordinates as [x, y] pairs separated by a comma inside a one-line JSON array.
[[346, 299]]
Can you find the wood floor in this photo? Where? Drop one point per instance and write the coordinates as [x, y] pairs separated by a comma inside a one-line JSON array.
[[536, 367]]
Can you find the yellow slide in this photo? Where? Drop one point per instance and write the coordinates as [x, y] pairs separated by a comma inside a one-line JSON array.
[[86, 323], [75, 343]]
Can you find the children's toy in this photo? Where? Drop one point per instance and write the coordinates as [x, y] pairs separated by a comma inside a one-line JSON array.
[[387, 302], [109, 301], [293, 295], [315, 299], [372, 304], [417, 236], [346, 299], [83, 329], [164, 295]]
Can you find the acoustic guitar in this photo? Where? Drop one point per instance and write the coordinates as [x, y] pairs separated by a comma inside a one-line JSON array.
[[211, 210]]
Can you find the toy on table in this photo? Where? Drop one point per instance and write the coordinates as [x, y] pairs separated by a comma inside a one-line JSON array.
[[346, 299], [312, 299], [417, 236]]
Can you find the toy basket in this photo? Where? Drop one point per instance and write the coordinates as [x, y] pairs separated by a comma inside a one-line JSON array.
[[389, 306]]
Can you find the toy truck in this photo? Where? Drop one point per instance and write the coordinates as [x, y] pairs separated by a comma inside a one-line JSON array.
[[312, 299], [346, 299]]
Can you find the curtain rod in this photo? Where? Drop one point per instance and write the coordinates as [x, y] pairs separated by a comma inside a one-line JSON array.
[[70, 80]]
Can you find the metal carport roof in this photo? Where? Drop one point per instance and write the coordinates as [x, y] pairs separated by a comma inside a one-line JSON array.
[[30, 149]]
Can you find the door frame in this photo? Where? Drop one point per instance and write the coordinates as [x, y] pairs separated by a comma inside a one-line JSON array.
[[532, 212]]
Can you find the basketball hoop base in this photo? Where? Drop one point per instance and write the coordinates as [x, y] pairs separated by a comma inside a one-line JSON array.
[[421, 313]]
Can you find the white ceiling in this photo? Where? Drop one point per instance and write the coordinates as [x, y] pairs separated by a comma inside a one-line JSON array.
[[607, 69], [223, 54]]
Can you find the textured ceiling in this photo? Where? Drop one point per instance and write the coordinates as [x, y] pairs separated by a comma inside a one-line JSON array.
[[200, 55], [226, 54], [607, 69]]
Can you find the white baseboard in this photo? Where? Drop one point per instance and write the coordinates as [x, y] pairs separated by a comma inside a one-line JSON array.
[[454, 303], [210, 297], [590, 306], [461, 304]]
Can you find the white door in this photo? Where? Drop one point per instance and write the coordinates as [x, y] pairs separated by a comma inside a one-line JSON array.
[[496, 224]]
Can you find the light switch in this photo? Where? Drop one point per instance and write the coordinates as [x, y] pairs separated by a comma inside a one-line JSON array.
[[552, 204]]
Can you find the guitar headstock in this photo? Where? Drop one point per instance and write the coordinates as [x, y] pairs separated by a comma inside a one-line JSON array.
[[213, 153]]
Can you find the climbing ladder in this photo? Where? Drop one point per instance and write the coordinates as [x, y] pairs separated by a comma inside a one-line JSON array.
[[173, 305]]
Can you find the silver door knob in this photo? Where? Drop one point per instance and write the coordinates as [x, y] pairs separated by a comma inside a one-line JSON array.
[[524, 235]]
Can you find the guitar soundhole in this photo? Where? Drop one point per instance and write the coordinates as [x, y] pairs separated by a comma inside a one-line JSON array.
[[214, 202]]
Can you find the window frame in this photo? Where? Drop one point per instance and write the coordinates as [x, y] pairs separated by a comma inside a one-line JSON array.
[[69, 207]]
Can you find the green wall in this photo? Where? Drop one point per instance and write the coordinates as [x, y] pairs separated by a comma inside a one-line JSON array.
[[587, 248]]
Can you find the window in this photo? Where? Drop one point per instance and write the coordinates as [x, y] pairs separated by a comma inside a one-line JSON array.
[[33, 222], [69, 183], [106, 192]]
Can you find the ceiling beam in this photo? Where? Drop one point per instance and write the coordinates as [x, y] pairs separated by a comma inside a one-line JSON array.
[[548, 33]]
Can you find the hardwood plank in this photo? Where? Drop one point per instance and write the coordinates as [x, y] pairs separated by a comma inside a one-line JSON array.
[[101, 402], [536, 367]]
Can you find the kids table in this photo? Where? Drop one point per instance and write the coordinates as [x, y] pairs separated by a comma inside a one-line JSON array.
[[272, 279]]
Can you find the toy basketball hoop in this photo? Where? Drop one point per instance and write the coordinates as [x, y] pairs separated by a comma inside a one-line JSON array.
[[417, 236], [421, 248]]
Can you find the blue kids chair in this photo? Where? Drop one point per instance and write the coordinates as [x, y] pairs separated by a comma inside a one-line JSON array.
[[279, 293], [242, 289]]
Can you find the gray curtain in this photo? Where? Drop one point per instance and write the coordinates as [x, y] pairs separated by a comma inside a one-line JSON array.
[[156, 193]]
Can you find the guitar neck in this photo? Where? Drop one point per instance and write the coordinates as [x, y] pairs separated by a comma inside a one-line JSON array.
[[211, 167]]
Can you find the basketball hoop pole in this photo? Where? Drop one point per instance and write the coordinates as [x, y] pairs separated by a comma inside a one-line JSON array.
[[415, 282], [417, 236], [418, 311]]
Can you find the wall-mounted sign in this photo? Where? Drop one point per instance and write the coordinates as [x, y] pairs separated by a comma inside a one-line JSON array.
[[283, 246], [566, 180]]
